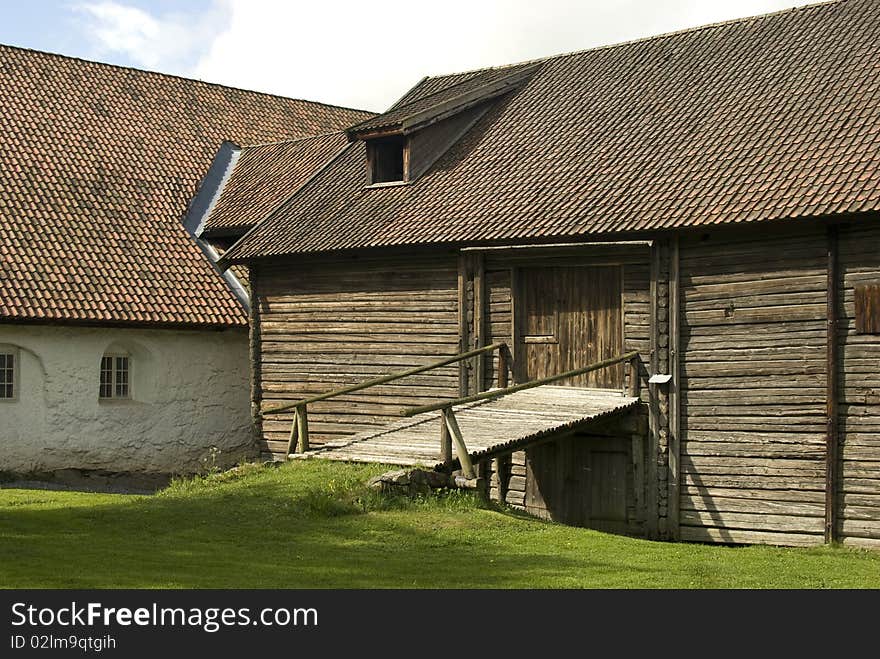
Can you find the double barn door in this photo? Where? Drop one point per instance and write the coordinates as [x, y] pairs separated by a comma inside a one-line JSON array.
[[566, 318]]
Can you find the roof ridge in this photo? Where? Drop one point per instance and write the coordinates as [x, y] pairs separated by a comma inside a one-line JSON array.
[[296, 139], [662, 35], [180, 77]]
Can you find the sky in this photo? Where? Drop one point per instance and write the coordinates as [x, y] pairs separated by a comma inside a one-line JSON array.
[[349, 53]]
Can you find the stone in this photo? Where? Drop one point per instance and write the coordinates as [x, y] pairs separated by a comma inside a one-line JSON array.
[[410, 482]]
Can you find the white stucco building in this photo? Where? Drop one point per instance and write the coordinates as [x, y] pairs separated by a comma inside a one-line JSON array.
[[122, 349], [171, 401]]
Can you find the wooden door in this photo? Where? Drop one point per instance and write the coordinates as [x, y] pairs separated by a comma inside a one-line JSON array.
[[569, 317], [582, 481]]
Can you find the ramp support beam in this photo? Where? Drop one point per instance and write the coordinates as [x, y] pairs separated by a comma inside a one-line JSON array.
[[467, 467]]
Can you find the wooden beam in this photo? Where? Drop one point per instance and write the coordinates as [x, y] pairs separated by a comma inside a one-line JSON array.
[[635, 380], [479, 321], [445, 441], [652, 508], [515, 334], [464, 458], [463, 329], [503, 353], [832, 448], [294, 431], [501, 467], [254, 355], [674, 499], [515, 248], [302, 427], [638, 465]]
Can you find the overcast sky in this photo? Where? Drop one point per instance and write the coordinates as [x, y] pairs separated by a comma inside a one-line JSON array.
[[356, 54]]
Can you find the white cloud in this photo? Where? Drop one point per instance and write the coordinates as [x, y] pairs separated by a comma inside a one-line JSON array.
[[171, 43], [367, 54]]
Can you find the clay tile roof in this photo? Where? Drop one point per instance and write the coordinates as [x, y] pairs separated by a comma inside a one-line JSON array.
[[765, 118], [97, 166], [265, 176]]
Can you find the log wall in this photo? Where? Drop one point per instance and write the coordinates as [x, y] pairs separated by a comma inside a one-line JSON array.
[[859, 393], [325, 325], [753, 360]]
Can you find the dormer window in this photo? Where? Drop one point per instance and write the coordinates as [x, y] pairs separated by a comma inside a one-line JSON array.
[[387, 157]]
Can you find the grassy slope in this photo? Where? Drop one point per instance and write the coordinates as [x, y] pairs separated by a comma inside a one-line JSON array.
[[314, 525]]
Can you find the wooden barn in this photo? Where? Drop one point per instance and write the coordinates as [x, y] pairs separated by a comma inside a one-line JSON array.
[[635, 288]]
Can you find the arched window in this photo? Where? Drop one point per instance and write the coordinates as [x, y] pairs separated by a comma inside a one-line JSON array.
[[115, 376]]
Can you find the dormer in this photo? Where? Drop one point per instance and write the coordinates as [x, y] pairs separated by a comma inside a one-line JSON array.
[[405, 141]]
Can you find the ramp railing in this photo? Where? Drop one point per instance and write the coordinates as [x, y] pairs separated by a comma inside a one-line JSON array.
[[450, 432], [299, 430]]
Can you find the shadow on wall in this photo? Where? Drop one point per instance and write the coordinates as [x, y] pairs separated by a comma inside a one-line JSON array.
[[26, 411], [144, 384]]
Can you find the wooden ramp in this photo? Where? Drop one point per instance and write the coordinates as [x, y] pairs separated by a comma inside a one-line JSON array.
[[488, 427]]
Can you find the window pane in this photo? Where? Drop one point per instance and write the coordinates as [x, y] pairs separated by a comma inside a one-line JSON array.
[[122, 377], [7, 375], [106, 388]]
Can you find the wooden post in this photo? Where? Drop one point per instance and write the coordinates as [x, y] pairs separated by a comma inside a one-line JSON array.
[[652, 505], [501, 467], [832, 447], [638, 465], [467, 468], [635, 381], [479, 322], [291, 443], [673, 514], [445, 441], [502, 367], [463, 338], [515, 326], [302, 427], [255, 358]]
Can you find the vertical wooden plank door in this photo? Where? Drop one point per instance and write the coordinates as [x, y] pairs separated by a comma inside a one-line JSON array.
[[569, 317]]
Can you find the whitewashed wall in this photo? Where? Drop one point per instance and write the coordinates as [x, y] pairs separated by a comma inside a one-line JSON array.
[[189, 393]]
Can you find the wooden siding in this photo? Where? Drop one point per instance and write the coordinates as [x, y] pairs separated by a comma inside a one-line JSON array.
[[753, 429], [326, 325], [859, 397]]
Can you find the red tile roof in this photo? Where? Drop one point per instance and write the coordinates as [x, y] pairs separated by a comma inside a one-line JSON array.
[[764, 118], [265, 176], [97, 166]]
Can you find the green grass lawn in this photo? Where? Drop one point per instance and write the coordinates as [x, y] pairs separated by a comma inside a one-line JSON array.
[[315, 525]]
